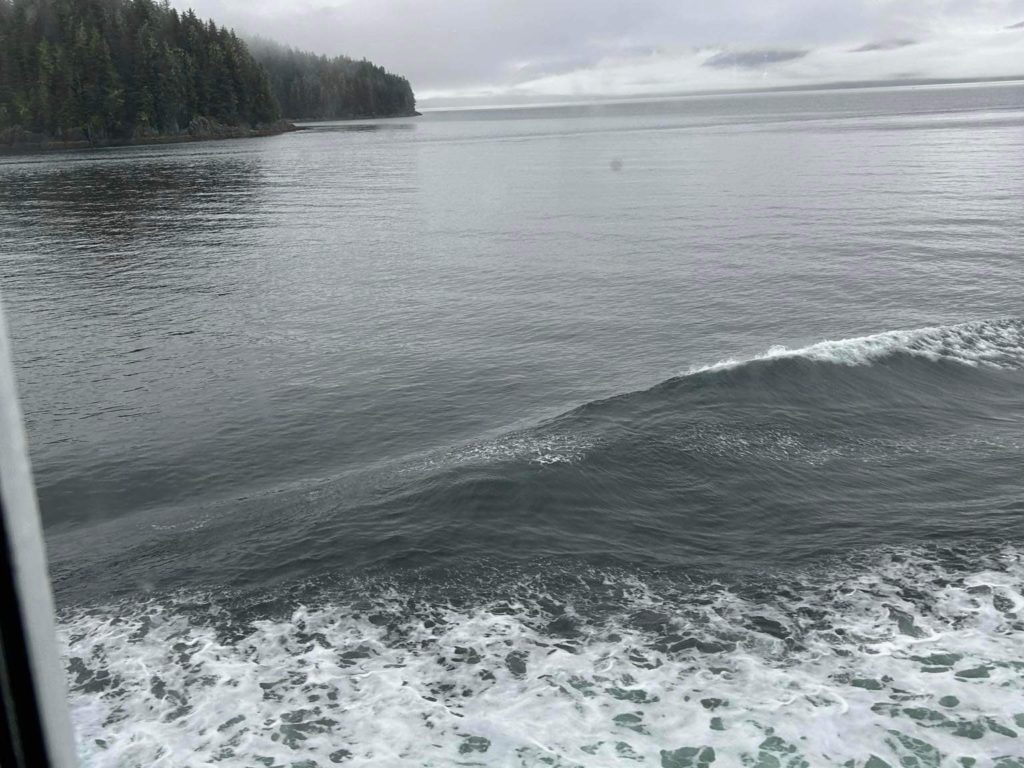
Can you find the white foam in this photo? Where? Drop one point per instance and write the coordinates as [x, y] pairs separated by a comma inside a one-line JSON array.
[[741, 442], [819, 670], [998, 344], [546, 448], [542, 448]]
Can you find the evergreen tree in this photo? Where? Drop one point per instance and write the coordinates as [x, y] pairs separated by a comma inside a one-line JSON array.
[[107, 69], [308, 86]]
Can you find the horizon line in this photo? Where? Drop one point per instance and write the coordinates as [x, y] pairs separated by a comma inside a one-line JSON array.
[[566, 100]]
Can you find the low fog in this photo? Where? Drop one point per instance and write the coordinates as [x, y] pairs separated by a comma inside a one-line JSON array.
[[495, 51]]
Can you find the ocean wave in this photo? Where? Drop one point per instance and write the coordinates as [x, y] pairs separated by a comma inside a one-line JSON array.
[[570, 438], [994, 343], [904, 658]]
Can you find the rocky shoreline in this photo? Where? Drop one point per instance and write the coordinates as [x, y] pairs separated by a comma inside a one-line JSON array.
[[16, 140]]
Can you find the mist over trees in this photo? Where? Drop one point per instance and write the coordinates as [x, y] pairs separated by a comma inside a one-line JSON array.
[[313, 87], [120, 69]]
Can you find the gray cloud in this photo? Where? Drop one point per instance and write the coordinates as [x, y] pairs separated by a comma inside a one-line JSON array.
[[495, 47], [884, 45], [755, 59], [1018, 25]]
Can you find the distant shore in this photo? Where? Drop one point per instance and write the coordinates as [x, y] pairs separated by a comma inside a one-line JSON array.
[[15, 141], [355, 118]]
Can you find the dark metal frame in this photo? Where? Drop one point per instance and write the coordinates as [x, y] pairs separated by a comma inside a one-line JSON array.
[[21, 733], [35, 727]]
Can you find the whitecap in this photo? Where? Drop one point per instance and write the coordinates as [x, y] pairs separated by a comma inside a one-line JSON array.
[[997, 343]]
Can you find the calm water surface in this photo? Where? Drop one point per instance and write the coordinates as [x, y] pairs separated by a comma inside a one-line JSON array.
[[581, 435]]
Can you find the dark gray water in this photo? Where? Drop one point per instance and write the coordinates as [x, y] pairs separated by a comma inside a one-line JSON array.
[[568, 436]]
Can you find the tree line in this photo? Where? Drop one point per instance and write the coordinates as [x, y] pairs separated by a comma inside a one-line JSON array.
[[118, 69], [307, 86]]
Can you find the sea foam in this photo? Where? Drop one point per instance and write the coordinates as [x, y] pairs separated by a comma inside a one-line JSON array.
[[906, 658], [995, 343]]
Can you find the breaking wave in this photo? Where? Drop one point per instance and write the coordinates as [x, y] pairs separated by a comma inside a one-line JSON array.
[[996, 343], [570, 438]]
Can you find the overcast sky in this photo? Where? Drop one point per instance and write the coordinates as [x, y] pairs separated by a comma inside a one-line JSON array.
[[509, 49]]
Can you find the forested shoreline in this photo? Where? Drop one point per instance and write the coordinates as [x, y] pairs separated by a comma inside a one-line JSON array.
[[97, 72], [311, 87]]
